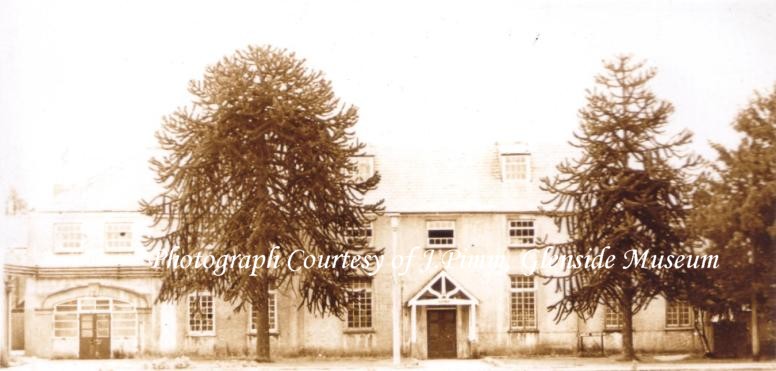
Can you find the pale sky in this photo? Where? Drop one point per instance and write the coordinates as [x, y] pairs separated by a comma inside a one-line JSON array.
[[84, 85]]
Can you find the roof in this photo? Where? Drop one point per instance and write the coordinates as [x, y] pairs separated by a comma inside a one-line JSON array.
[[117, 188], [464, 178], [435, 178]]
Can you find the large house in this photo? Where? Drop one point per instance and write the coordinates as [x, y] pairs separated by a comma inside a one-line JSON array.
[[80, 285]]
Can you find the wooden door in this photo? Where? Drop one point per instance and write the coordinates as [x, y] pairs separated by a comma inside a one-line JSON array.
[[94, 336], [441, 330]]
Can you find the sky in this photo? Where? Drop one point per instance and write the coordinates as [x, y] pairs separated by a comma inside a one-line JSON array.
[[84, 84]]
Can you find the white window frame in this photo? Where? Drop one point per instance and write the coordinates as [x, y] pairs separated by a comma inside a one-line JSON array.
[[368, 289], [66, 313], [128, 239], [198, 296], [510, 228], [522, 291], [608, 314], [439, 225], [123, 316], [273, 311], [505, 176], [369, 162], [60, 241], [368, 230], [679, 306]]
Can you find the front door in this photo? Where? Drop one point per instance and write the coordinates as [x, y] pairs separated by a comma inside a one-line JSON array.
[[94, 336], [441, 333]]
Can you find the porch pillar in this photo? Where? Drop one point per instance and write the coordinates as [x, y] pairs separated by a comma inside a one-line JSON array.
[[414, 325], [472, 322]]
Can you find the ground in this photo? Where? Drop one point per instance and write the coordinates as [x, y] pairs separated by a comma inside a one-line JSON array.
[[489, 363]]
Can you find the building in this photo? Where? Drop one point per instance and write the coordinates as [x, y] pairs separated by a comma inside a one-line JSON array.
[[80, 285]]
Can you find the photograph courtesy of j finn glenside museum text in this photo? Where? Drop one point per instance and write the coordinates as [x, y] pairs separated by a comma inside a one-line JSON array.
[[430, 185]]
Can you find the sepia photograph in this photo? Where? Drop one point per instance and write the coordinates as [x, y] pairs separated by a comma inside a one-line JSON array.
[[353, 185]]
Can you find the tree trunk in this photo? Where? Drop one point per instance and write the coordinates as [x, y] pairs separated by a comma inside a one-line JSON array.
[[700, 328], [261, 318], [261, 309], [755, 330], [261, 296], [626, 310]]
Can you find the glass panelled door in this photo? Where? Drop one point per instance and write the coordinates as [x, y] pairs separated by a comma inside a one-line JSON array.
[[94, 336]]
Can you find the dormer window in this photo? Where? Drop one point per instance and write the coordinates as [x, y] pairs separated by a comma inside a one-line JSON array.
[[365, 168], [515, 166]]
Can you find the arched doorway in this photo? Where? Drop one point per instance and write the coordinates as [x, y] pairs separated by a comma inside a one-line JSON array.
[[95, 327]]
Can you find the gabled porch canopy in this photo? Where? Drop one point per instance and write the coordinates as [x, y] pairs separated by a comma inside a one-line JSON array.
[[443, 290]]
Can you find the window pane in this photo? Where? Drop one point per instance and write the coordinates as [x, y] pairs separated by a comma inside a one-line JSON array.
[[201, 313], [360, 304], [364, 235], [118, 237], [522, 302], [364, 168], [522, 282], [515, 166], [521, 232], [678, 315], [613, 319], [441, 232], [273, 313], [67, 237]]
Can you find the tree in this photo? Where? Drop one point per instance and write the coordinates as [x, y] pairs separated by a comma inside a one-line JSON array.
[[262, 159], [626, 192], [735, 216]]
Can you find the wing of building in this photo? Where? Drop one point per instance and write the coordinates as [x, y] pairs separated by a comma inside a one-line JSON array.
[[469, 215]]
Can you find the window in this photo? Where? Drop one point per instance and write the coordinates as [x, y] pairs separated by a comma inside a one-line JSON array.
[[118, 237], [123, 319], [273, 313], [678, 315], [441, 233], [354, 235], [94, 304], [613, 319], [522, 303], [360, 304], [365, 168], [515, 166], [201, 315], [123, 316], [66, 319], [521, 232], [68, 237]]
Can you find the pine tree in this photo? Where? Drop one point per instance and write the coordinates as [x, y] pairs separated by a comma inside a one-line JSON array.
[[627, 191], [262, 158], [735, 217]]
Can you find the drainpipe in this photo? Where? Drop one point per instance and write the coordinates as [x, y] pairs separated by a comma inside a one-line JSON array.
[[395, 294], [6, 334]]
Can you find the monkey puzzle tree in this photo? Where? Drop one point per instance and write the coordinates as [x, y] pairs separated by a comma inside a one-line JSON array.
[[262, 158], [735, 216], [626, 191]]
